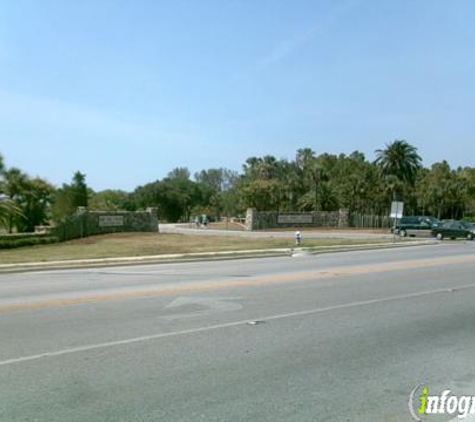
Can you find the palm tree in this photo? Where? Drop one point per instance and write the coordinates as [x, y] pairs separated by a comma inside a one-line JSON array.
[[399, 161], [269, 167], [304, 157], [8, 208], [251, 167]]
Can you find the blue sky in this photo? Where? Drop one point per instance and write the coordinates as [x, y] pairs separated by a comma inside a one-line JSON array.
[[125, 91]]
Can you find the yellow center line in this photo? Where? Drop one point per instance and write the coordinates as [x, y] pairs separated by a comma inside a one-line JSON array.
[[229, 284]]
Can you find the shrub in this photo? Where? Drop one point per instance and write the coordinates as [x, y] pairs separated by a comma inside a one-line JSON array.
[[17, 242]]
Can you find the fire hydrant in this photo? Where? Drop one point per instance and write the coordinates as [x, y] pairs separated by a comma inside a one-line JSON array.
[[298, 238]]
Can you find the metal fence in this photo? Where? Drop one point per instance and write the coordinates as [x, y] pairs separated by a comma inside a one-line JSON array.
[[370, 221]]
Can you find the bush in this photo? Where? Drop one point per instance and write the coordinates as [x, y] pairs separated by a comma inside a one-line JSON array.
[[17, 236], [32, 240]]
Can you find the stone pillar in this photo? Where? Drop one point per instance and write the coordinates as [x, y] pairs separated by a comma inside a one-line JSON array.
[[153, 218], [343, 218], [251, 221]]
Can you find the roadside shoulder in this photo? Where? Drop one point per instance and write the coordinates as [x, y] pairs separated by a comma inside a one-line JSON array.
[[202, 256]]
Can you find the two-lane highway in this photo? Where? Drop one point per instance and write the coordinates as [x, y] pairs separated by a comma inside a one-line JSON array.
[[337, 337]]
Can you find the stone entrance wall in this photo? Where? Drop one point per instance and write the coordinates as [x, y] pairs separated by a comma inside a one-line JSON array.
[[260, 220], [88, 223], [121, 221]]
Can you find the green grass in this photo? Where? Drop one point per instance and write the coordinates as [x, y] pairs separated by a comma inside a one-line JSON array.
[[139, 244]]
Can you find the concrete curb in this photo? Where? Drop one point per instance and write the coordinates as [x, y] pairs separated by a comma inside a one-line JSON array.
[[316, 250], [201, 256]]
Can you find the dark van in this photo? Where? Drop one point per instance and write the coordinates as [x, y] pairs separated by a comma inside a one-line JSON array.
[[416, 226]]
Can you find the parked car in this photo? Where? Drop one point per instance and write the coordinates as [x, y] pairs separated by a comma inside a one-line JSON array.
[[454, 230], [416, 225]]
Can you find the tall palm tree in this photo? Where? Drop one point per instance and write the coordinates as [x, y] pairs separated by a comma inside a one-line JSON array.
[[304, 157], [400, 161]]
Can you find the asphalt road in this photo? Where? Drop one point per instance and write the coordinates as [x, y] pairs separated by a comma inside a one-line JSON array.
[[336, 337]]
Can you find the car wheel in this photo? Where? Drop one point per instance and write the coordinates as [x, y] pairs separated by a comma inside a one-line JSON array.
[[402, 233], [439, 236], [470, 236]]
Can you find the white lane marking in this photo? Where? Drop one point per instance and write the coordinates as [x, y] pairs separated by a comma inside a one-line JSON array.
[[228, 325], [212, 304]]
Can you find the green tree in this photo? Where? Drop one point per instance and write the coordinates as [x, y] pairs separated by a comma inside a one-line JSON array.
[[69, 197], [79, 190], [111, 200], [220, 179], [315, 179], [223, 199], [174, 197], [467, 174], [34, 202], [289, 185], [399, 163], [179, 173], [446, 193], [357, 183], [14, 184], [8, 208], [304, 158], [261, 194], [25, 201], [62, 203]]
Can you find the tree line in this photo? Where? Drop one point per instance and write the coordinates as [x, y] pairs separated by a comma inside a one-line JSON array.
[[309, 182]]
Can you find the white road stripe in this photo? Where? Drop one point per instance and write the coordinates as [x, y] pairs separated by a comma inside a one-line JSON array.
[[229, 324]]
